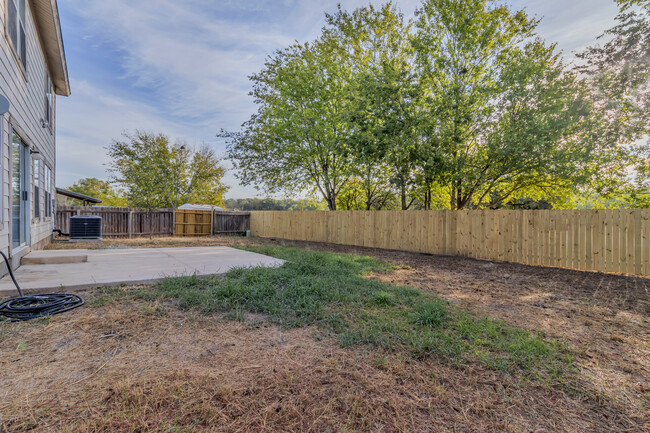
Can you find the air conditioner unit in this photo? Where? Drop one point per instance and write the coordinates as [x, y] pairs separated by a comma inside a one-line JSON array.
[[85, 228]]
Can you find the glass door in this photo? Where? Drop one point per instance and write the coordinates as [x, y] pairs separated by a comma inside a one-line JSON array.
[[19, 194]]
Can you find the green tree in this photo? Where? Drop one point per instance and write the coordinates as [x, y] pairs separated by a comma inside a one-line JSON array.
[[505, 118], [156, 174], [367, 194], [464, 105], [205, 179], [297, 140], [100, 189], [309, 204], [383, 102], [248, 204]]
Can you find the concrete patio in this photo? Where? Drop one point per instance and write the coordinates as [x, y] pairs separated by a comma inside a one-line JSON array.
[[66, 270]]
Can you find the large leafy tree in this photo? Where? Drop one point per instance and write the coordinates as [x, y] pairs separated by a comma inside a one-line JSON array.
[[382, 111], [298, 139], [539, 140], [155, 173], [465, 106], [505, 118]]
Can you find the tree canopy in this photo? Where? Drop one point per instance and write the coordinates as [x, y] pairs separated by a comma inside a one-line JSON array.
[[249, 204], [155, 173], [101, 189], [465, 106]]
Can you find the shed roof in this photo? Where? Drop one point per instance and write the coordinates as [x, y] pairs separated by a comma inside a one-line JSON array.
[[190, 206], [78, 196]]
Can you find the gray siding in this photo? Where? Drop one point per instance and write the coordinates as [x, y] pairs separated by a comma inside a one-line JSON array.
[[26, 92]]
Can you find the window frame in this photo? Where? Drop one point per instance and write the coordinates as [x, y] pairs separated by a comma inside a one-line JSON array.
[[36, 181], [49, 212], [49, 102], [20, 51]]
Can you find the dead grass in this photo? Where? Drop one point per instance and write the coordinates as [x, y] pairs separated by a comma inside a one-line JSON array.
[[124, 367], [137, 369], [604, 318]]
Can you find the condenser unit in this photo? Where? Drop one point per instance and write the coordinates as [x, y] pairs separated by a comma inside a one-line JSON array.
[[85, 228]]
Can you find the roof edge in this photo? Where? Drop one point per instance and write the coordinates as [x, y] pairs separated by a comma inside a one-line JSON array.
[[46, 18], [77, 195]]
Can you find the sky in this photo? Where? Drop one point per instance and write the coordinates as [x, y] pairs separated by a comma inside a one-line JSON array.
[[182, 67]]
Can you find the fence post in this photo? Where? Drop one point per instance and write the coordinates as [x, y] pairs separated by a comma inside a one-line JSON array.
[[173, 222], [130, 223]]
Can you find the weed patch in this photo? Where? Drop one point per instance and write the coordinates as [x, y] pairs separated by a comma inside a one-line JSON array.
[[333, 292]]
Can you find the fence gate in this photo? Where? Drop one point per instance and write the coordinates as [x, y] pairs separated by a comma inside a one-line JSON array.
[[231, 222], [193, 222]]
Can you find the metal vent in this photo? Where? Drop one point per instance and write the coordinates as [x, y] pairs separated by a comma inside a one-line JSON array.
[[85, 228]]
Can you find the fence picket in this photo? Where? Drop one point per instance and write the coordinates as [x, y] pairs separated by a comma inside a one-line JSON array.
[[602, 240]]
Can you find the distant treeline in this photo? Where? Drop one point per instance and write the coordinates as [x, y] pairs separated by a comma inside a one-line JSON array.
[[246, 204]]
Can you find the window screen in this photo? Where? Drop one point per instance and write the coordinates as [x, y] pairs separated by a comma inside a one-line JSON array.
[[49, 105], [16, 28], [37, 188]]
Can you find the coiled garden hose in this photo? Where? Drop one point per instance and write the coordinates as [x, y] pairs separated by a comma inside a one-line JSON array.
[[31, 307]]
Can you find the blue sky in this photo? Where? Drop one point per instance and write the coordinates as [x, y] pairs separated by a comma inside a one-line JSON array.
[[181, 67]]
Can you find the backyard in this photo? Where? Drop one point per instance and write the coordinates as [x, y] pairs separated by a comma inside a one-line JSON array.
[[337, 339]]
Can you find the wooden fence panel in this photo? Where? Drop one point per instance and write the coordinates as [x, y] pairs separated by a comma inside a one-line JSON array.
[[121, 222], [193, 222], [124, 222], [598, 240], [231, 222]]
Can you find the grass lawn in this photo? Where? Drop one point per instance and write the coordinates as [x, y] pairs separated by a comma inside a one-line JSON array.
[[329, 342], [335, 293]]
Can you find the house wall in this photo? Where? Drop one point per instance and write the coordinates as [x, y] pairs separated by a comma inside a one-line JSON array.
[[25, 90]]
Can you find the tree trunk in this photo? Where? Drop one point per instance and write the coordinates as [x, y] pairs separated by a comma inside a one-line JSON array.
[[331, 202], [368, 199], [427, 197]]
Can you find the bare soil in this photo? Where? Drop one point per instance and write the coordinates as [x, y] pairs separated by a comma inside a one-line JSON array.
[[136, 367]]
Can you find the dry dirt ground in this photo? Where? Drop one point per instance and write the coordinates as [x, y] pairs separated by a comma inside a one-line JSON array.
[[138, 367]]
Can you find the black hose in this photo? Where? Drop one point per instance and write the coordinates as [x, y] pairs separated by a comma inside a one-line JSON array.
[[61, 233], [11, 272], [31, 307]]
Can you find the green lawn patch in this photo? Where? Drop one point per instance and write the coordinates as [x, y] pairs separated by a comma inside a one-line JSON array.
[[333, 291]]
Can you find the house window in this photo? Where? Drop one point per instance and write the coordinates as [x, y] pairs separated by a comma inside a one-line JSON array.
[[37, 188], [49, 102], [16, 28], [48, 191]]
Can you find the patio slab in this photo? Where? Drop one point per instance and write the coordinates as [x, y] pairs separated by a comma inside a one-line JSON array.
[[111, 267]]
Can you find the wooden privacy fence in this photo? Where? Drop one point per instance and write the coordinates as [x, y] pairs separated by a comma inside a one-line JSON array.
[[121, 222], [231, 222], [593, 240], [124, 222]]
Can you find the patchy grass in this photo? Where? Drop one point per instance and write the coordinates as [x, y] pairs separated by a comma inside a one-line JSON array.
[[333, 292], [132, 360]]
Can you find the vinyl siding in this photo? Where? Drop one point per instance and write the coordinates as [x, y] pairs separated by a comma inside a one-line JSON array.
[[26, 93]]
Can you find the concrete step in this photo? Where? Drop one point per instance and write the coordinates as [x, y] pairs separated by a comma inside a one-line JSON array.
[[35, 258]]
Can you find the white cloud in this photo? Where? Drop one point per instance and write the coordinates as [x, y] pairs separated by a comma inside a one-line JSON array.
[[86, 129]]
